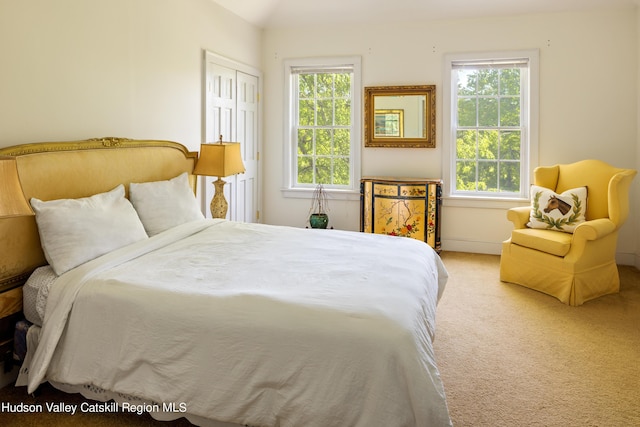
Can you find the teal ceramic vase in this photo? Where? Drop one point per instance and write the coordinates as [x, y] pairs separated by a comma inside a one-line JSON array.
[[319, 220]]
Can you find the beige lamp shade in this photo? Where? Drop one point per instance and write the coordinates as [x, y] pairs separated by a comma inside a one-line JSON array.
[[12, 200], [219, 159]]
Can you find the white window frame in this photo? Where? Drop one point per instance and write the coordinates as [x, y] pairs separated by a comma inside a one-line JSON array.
[[529, 148], [290, 186]]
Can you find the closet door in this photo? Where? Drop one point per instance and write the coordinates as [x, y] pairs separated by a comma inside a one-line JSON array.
[[246, 184], [220, 115], [232, 110]]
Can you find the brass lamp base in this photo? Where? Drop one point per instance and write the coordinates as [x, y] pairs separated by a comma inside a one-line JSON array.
[[219, 205]]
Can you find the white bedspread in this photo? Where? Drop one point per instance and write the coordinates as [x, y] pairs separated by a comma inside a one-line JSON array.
[[255, 324]]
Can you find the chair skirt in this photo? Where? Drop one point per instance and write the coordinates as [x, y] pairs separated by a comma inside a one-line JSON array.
[[571, 283]]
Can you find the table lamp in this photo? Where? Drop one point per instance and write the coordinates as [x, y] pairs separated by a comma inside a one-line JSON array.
[[12, 200], [219, 159]]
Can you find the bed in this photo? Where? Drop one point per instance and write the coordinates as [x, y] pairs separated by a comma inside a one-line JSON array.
[[137, 298]]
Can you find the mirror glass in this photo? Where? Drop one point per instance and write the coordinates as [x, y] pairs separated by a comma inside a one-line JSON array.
[[400, 116]]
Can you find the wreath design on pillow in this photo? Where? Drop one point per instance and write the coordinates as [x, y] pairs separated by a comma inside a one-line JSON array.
[[564, 207]]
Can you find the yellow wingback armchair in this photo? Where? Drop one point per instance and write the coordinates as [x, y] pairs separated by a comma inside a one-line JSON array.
[[572, 267]]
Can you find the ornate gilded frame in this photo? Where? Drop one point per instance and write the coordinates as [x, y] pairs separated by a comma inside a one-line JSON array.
[[425, 113]]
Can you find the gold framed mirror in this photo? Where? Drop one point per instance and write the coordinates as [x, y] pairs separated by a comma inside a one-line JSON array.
[[400, 116]]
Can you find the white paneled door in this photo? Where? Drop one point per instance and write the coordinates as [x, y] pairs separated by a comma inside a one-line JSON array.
[[232, 110]]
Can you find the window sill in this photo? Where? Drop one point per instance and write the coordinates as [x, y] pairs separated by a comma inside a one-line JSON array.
[[307, 193]]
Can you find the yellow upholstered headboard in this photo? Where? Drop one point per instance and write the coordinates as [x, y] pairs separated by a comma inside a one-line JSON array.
[[60, 170]]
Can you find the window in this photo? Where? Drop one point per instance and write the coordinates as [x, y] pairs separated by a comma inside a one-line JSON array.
[[491, 118], [323, 125]]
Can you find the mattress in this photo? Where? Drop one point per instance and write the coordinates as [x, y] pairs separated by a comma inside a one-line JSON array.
[[35, 293]]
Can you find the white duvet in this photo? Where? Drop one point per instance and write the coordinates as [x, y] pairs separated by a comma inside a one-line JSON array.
[[255, 324]]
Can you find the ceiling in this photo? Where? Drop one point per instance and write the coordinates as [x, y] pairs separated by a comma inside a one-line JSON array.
[[286, 13]]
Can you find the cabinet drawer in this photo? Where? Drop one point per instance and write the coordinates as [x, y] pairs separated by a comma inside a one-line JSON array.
[[399, 190]]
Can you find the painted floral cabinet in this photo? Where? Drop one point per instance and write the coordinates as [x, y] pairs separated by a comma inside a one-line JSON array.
[[408, 207]]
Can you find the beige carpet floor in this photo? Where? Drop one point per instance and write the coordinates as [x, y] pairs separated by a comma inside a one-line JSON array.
[[508, 356]]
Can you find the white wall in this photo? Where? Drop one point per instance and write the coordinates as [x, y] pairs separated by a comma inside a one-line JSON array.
[[77, 69], [588, 102]]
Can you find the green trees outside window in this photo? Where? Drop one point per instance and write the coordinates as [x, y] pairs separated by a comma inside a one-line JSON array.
[[324, 128], [489, 131]]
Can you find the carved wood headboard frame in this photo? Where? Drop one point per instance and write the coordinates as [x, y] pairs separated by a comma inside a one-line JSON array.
[[73, 169]]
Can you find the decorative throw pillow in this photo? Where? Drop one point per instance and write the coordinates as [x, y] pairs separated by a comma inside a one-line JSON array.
[[562, 212], [162, 205], [74, 231]]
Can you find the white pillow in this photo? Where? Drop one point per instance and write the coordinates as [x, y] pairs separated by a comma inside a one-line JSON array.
[[74, 231], [162, 205], [560, 212]]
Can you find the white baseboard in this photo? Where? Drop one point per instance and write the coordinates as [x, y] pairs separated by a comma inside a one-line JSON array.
[[493, 248], [629, 259]]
